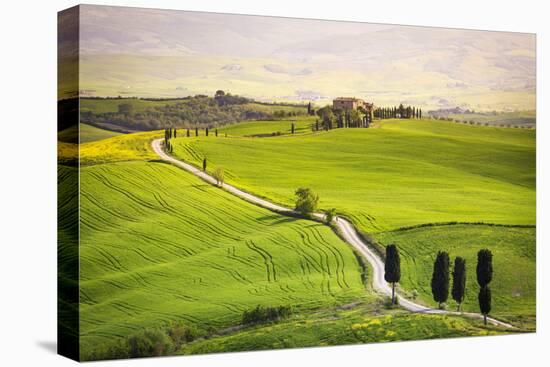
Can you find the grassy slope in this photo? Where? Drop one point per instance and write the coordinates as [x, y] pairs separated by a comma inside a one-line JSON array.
[[139, 223], [407, 173], [88, 133], [336, 327], [404, 173], [159, 245], [514, 288], [265, 128], [528, 118], [121, 148]]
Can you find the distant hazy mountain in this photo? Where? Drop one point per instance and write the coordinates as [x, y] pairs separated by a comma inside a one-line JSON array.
[[174, 53]]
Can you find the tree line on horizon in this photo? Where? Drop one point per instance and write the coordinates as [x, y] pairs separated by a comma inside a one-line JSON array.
[[200, 110], [401, 111]]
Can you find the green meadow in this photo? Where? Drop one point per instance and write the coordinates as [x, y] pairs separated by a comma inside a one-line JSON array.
[[514, 286], [159, 246], [302, 125], [399, 173], [402, 174], [341, 326], [87, 133]]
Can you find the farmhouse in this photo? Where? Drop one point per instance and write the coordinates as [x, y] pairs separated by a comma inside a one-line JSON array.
[[351, 103]]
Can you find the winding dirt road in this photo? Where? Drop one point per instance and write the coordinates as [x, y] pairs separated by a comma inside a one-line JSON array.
[[346, 228]]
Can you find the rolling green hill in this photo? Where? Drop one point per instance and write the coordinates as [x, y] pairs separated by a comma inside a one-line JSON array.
[[87, 132], [408, 173], [514, 286], [302, 125], [158, 246], [402, 173]]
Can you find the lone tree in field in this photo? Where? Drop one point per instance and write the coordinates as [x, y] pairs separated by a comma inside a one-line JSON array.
[[306, 200], [440, 278], [484, 267], [216, 131], [196, 131], [188, 134], [206, 131], [219, 175], [459, 281], [484, 299], [292, 128], [392, 269], [330, 214], [204, 164]]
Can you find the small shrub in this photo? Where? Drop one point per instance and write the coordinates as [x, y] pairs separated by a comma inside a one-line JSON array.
[[306, 201], [150, 343], [265, 314]]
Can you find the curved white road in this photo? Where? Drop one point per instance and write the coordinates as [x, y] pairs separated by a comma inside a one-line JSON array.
[[348, 232]]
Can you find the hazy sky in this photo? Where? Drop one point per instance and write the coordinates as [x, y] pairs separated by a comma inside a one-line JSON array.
[[163, 53]]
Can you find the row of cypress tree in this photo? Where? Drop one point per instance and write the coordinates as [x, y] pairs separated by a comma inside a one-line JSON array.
[[408, 112], [441, 277]]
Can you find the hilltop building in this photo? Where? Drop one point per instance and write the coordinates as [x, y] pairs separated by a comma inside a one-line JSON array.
[[351, 103]]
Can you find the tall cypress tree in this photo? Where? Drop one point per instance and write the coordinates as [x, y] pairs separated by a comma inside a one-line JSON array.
[[484, 268], [206, 131], [484, 299], [188, 133], [204, 164], [459, 281], [392, 269], [196, 131], [484, 272], [292, 128], [440, 278]]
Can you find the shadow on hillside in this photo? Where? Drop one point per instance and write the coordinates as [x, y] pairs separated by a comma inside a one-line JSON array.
[[277, 219]]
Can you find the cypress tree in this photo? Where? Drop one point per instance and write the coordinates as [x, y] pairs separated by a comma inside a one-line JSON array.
[[188, 134], [204, 164], [196, 131], [392, 268], [216, 133], [206, 131], [459, 281], [484, 268], [440, 278], [484, 299], [292, 128], [175, 133], [421, 113]]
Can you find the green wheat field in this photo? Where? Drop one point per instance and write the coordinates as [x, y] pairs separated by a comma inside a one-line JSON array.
[[159, 247]]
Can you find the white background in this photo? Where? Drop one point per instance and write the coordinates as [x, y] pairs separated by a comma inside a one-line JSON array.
[[28, 182]]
